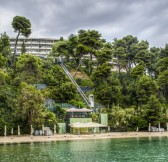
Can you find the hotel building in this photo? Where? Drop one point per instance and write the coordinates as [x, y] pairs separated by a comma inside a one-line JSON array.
[[42, 46], [37, 46]]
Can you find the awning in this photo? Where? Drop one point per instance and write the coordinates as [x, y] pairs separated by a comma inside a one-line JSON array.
[[86, 125], [78, 110]]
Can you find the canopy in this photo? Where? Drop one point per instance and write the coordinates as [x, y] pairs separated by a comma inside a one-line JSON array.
[[78, 110], [86, 125]]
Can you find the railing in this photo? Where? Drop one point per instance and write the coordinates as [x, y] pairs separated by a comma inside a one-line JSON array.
[[74, 82]]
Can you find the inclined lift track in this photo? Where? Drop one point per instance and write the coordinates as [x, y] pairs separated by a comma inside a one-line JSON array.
[[60, 62]]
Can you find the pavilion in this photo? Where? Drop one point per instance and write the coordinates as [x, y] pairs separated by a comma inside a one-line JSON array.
[[80, 121]]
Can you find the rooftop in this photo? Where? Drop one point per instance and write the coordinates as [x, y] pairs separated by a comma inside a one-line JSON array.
[[78, 110]]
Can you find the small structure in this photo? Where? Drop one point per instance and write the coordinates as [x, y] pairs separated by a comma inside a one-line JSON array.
[[47, 131], [77, 113], [89, 127], [79, 121], [155, 129]]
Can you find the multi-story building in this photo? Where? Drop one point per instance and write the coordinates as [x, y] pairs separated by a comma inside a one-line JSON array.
[[42, 46], [36, 46]]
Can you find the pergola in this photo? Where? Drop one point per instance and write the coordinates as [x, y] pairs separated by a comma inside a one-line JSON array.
[[88, 125], [78, 110]]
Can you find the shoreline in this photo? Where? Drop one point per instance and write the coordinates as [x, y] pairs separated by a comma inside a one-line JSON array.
[[71, 137]]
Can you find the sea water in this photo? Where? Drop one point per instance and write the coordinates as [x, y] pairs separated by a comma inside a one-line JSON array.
[[153, 149]]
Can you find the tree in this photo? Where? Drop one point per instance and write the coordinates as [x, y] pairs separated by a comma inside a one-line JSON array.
[[120, 54], [145, 87], [101, 74], [22, 26], [152, 111], [125, 52], [2, 61], [55, 76], [152, 65], [23, 49], [164, 52], [29, 69], [162, 69], [65, 93], [3, 77], [138, 70], [60, 49], [104, 55], [107, 87], [143, 53], [29, 102], [163, 83], [162, 65], [75, 50], [69, 49], [91, 42], [117, 117], [5, 50]]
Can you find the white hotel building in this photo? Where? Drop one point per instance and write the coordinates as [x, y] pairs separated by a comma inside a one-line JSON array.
[[36, 46], [42, 46]]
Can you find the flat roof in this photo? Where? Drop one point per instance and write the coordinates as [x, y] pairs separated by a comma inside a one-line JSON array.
[[78, 110], [34, 38]]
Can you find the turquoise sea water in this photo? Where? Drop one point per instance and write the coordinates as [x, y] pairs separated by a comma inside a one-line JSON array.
[[102, 150]]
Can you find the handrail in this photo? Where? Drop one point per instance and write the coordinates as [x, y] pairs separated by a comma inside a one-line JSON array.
[[75, 83]]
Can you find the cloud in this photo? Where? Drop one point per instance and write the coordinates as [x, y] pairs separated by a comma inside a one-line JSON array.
[[146, 19]]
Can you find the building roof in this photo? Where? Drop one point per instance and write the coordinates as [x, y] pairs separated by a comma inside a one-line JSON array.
[[86, 125], [21, 38], [78, 110]]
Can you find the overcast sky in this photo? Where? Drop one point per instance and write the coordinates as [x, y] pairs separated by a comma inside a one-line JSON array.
[[145, 19]]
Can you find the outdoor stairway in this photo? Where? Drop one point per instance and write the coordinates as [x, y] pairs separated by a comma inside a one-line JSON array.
[[77, 86]]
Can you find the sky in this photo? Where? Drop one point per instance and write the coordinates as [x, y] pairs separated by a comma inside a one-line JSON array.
[[144, 19]]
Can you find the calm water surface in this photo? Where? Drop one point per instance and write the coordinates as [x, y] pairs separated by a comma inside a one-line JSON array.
[[105, 150]]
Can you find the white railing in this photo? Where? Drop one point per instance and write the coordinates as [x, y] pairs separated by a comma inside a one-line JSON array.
[[77, 86]]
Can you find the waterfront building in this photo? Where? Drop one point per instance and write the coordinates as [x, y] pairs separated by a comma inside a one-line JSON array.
[[79, 121]]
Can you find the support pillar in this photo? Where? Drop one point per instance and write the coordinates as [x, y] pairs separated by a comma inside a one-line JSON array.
[[149, 128], [5, 131], [18, 130]]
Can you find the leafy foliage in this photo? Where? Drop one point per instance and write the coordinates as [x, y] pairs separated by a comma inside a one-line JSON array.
[[22, 26], [132, 98]]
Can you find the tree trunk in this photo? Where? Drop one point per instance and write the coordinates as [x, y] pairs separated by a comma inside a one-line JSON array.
[[90, 64], [14, 53]]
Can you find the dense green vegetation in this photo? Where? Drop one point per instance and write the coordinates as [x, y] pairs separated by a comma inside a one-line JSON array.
[[133, 95]]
